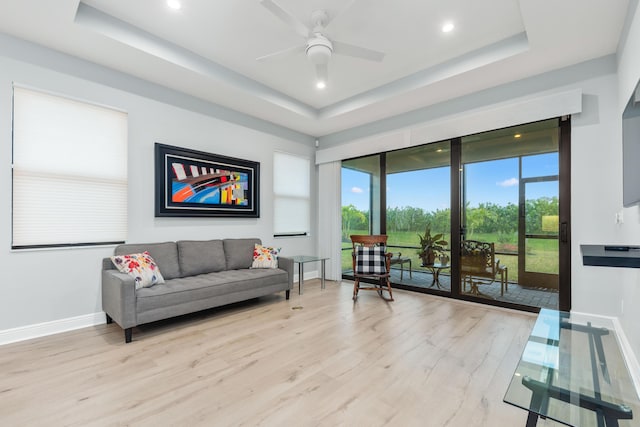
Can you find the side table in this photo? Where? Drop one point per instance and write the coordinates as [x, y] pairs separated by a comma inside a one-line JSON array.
[[435, 269], [301, 260]]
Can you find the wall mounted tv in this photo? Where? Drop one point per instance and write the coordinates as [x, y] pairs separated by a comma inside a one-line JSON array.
[[631, 150]]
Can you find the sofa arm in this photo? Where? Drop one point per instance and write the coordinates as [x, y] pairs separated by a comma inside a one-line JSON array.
[[286, 264], [119, 297]]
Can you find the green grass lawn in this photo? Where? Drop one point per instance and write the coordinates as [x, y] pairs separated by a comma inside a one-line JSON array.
[[542, 254]]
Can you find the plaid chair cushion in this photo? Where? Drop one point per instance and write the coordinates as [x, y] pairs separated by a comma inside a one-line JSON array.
[[370, 260]]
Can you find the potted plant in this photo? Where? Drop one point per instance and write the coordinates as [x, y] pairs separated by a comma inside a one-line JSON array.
[[430, 246]]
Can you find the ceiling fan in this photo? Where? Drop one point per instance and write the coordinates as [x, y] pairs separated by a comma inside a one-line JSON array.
[[318, 47]]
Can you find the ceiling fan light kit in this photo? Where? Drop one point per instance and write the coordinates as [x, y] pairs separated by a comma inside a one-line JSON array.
[[322, 75], [319, 48]]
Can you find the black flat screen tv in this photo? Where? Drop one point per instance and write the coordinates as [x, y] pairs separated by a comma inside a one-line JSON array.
[[631, 151]]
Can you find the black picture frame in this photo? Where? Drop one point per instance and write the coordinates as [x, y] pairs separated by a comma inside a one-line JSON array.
[[191, 183]]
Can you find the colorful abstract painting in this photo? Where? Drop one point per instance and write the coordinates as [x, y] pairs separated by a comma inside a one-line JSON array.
[[193, 183]]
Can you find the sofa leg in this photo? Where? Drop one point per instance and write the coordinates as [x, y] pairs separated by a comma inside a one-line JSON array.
[[127, 335], [287, 293], [109, 319]]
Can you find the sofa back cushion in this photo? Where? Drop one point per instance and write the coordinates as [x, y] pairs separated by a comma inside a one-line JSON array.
[[201, 256], [164, 254], [239, 252]]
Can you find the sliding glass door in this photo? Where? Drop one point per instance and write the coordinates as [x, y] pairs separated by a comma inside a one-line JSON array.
[[510, 215], [489, 218], [418, 203], [477, 217], [361, 204]]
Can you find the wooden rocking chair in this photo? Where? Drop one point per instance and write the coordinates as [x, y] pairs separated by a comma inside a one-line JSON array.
[[370, 261]]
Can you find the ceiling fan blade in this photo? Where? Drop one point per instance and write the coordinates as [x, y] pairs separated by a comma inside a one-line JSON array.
[[347, 6], [283, 53], [286, 17], [357, 51]]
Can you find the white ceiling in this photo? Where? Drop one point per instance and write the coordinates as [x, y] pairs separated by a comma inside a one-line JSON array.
[[208, 49]]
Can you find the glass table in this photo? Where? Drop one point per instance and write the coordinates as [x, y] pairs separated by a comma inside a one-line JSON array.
[[301, 260], [572, 371]]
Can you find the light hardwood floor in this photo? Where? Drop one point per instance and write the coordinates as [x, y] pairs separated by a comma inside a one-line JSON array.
[[315, 360]]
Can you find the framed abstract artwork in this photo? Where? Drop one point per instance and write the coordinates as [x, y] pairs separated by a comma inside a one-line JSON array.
[[194, 183]]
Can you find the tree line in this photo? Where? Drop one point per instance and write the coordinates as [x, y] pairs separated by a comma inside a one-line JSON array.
[[541, 217]]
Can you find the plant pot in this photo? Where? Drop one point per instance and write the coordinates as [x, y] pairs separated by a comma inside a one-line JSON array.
[[431, 257]]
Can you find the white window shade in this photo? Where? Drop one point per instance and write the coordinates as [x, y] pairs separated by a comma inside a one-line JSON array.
[[292, 194], [69, 172]]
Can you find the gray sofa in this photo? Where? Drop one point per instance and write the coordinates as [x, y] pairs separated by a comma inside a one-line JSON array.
[[199, 274]]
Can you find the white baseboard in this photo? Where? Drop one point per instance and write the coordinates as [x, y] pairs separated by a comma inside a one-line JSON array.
[[28, 332], [628, 354], [308, 275], [49, 328]]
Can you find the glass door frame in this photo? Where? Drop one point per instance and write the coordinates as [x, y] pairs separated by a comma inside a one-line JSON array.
[[564, 190]]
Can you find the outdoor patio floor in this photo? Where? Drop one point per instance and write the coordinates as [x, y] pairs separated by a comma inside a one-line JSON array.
[[535, 297]]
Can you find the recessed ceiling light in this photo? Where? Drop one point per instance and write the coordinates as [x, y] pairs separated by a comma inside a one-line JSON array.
[[439, 150], [517, 135], [174, 4], [447, 27], [320, 84]]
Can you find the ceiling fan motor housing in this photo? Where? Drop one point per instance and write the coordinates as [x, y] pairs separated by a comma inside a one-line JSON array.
[[319, 49]]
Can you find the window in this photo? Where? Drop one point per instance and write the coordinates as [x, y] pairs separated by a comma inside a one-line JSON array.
[[69, 172], [291, 201]]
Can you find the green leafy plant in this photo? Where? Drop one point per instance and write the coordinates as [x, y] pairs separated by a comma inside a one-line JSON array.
[[431, 246]]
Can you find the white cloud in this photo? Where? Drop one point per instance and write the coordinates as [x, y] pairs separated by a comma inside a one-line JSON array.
[[356, 190], [508, 182]]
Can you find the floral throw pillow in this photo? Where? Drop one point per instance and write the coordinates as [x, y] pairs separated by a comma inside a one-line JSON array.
[[141, 267], [265, 257]]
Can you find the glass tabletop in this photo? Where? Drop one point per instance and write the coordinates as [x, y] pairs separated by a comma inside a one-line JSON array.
[[572, 371], [307, 258], [438, 265]]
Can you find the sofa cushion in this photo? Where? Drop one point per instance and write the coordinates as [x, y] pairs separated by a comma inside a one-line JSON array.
[[200, 256], [239, 252], [164, 254], [192, 289], [141, 267]]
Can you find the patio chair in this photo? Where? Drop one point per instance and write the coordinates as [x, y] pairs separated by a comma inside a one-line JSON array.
[[402, 260], [478, 264], [371, 261]]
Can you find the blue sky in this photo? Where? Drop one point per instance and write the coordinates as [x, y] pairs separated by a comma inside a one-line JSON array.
[[492, 181]]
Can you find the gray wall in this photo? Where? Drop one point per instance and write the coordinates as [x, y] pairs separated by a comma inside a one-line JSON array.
[[52, 285]]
